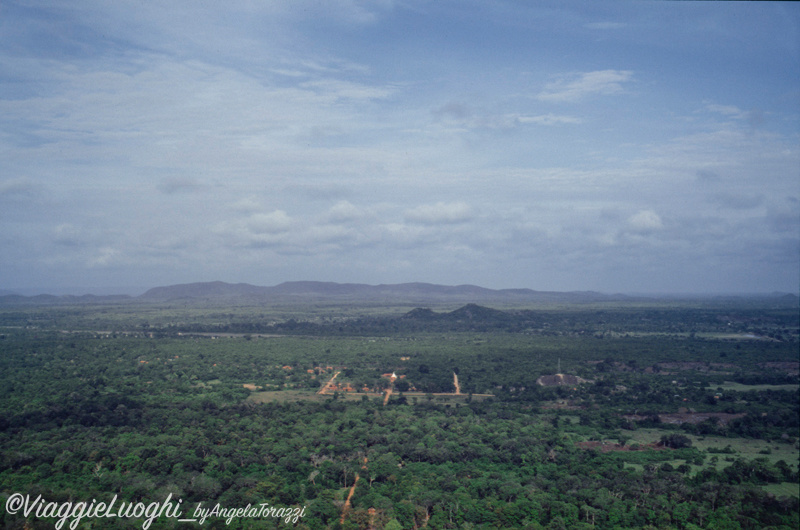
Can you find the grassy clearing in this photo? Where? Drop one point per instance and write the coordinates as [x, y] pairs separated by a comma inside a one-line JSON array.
[[748, 448], [291, 396], [742, 447], [284, 396], [414, 397], [784, 489], [646, 436]]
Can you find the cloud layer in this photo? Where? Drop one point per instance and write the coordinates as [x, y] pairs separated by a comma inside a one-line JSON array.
[[515, 146]]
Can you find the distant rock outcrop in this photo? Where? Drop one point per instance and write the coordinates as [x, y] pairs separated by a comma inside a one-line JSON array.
[[421, 313], [475, 312]]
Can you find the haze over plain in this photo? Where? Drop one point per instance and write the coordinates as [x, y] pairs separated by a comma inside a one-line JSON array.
[[616, 147]]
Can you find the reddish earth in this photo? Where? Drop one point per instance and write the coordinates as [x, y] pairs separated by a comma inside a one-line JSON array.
[[790, 367], [326, 386], [350, 494], [347, 502]]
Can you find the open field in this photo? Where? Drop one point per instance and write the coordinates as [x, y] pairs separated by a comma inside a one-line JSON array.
[[739, 447], [784, 489]]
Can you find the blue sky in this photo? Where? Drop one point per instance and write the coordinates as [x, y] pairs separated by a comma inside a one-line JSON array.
[[611, 146]]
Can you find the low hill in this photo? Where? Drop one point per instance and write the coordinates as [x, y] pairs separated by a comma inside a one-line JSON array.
[[202, 290], [402, 292], [422, 314]]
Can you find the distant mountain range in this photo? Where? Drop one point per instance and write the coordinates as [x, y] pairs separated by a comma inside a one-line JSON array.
[[309, 291], [403, 292], [51, 299]]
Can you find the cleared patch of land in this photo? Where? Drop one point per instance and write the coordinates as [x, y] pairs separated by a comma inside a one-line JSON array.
[[784, 489], [748, 448], [283, 396]]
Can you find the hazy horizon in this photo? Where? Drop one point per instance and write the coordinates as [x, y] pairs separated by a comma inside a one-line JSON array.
[[135, 291], [556, 146]]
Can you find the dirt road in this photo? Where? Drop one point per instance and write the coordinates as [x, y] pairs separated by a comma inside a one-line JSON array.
[[326, 386], [352, 491]]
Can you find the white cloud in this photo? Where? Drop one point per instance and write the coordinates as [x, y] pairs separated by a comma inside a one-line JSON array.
[[104, 257], [344, 211], [645, 221], [465, 117], [727, 110], [441, 213], [338, 89], [272, 112], [269, 223], [578, 86], [68, 235], [549, 119]]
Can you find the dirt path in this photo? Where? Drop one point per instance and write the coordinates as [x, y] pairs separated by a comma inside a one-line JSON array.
[[350, 494], [390, 389], [327, 385], [455, 383], [347, 502]]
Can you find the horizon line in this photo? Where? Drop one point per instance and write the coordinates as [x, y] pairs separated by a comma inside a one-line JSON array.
[[138, 291]]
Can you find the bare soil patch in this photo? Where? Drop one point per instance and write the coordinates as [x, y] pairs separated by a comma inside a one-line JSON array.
[[789, 367]]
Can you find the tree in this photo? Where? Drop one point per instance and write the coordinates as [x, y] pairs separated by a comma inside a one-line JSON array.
[[675, 441], [393, 524]]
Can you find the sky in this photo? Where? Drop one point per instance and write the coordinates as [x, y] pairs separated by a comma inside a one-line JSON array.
[[636, 147]]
